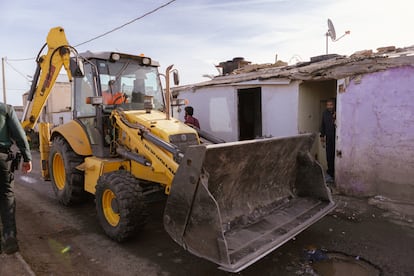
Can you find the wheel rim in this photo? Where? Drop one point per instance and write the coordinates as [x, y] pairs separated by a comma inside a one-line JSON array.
[[59, 171], [108, 199]]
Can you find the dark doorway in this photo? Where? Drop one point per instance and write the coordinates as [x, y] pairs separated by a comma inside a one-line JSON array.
[[250, 113], [312, 103]]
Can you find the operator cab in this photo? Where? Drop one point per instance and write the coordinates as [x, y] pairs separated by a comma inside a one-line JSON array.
[[122, 81]]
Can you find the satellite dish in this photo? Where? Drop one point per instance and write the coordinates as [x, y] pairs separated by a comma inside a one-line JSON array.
[[332, 34], [331, 30]]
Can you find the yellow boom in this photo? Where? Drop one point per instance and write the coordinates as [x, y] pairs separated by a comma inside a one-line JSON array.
[[48, 68]]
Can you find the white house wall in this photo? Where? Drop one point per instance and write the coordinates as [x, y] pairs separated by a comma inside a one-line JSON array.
[[60, 118], [60, 98], [279, 110], [216, 110]]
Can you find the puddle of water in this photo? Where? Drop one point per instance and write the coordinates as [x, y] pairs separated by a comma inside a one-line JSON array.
[[342, 265]]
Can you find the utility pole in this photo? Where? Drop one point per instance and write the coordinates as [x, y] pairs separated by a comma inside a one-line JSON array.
[[4, 79]]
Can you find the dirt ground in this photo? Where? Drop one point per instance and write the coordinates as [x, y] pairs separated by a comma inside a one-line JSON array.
[[57, 240]]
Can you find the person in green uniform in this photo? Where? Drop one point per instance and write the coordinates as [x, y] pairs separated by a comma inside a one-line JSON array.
[[11, 132]]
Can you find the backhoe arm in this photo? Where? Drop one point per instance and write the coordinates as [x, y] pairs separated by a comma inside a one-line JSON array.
[[48, 68]]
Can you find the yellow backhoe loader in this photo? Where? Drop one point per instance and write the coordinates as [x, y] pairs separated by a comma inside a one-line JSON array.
[[230, 203]]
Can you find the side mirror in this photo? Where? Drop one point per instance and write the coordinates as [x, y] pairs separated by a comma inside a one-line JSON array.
[[77, 67], [176, 77]]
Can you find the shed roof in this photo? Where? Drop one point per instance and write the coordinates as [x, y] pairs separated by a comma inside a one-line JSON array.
[[319, 68]]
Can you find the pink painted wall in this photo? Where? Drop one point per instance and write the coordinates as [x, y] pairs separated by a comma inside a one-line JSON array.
[[376, 135]]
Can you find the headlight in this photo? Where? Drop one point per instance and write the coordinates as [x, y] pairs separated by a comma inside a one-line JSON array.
[[146, 61], [182, 138], [115, 56]]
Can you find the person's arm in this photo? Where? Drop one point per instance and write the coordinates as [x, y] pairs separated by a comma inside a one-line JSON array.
[[19, 137], [197, 123]]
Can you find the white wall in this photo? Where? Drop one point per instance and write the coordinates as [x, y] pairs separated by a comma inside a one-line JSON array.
[[56, 118], [279, 109], [60, 98], [215, 108]]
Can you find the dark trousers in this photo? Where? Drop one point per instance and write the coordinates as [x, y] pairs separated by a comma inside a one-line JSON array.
[[330, 155], [7, 200]]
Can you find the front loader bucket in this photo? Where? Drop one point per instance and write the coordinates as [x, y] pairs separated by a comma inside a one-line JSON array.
[[234, 203]]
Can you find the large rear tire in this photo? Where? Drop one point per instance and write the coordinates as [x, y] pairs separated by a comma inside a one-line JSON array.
[[120, 205], [67, 181]]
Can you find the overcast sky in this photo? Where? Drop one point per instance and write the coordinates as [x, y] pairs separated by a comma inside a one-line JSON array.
[[195, 35]]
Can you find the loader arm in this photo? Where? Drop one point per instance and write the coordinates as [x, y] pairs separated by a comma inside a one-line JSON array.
[[47, 70], [155, 159]]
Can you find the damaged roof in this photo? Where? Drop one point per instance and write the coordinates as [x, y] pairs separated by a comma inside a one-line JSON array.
[[319, 68]]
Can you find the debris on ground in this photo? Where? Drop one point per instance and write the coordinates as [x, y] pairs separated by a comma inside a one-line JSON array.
[[401, 212]]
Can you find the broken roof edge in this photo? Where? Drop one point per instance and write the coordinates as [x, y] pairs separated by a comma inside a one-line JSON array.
[[361, 62]]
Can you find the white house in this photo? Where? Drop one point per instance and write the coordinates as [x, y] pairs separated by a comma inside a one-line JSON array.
[[375, 113]]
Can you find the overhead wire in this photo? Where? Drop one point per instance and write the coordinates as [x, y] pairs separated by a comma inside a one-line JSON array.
[[94, 38], [20, 59], [127, 23], [16, 70], [18, 89]]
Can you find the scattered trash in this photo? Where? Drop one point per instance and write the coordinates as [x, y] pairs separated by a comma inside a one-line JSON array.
[[177, 260], [66, 249], [330, 229], [313, 254], [322, 262], [159, 254]]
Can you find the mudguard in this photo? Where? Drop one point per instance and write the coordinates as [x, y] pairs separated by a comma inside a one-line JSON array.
[[76, 137]]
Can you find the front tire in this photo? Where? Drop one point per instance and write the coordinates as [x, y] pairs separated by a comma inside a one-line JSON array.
[[120, 205], [67, 181]]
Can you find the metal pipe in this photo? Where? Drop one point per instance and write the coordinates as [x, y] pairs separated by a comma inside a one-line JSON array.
[[4, 80], [208, 136], [133, 156], [162, 144], [32, 91], [167, 91]]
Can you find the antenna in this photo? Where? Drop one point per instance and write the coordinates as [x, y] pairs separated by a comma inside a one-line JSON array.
[[331, 30], [332, 34]]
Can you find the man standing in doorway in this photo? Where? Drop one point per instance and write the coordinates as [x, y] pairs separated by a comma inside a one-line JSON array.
[[328, 135], [189, 119], [10, 130]]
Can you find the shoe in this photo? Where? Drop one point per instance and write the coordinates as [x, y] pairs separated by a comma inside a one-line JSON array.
[[10, 245], [329, 179]]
